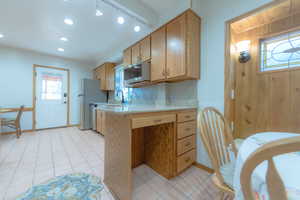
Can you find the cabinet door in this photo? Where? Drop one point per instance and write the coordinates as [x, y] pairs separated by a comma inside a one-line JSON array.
[[145, 49], [135, 50], [158, 54], [102, 78], [110, 76], [95, 74], [102, 130], [127, 57], [176, 44], [193, 45], [98, 121]]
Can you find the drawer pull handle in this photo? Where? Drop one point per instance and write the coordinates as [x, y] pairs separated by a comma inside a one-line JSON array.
[[187, 116], [157, 121], [187, 144], [187, 159], [188, 129]]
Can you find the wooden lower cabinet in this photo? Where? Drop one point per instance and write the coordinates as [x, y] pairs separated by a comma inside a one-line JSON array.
[[163, 143], [100, 124], [186, 144], [152, 142], [186, 160]]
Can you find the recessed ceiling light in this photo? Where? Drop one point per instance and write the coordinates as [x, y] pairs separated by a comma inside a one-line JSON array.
[[137, 28], [1, 35], [60, 49], [121, 20], [64, 39], [99, 13], [68, 21]]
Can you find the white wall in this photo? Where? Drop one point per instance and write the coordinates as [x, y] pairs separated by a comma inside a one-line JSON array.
[[16, 80], [214, 14]]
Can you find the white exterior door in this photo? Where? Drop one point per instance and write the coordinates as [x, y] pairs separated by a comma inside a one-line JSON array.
[[51, 98]]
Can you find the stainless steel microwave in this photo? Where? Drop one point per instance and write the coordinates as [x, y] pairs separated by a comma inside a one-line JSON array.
[[137, 73]]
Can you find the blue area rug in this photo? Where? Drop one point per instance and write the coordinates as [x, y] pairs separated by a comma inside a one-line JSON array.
[[77, 186]]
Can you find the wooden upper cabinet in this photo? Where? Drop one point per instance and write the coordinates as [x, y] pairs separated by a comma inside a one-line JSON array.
[[176, 44], [174, 50], [127, 57], [136, 54], [102, 78], [145, 47], [158, 54], [183, 47], [106, 75], [110, 76], [193, 45], [141, 51]]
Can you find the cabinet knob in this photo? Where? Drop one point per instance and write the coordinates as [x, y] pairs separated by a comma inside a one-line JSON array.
[[187, 159]]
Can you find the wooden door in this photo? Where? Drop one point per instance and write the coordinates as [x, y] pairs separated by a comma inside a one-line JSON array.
[[135, 50], [127, 57], [158, 53], [270, 100], [145, 49], [176, 47]]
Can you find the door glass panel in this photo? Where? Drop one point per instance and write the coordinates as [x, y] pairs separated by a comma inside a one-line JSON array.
[[280, 52], [51, 86]]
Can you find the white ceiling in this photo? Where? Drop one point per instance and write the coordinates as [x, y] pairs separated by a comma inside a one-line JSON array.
[[38, 25]]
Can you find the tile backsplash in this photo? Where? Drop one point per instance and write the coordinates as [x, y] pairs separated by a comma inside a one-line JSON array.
[[180, 93]]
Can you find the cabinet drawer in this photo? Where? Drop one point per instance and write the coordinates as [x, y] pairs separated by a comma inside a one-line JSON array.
[[186, 129], [186, 160], [186, 144], [186, 116], [152, 120]]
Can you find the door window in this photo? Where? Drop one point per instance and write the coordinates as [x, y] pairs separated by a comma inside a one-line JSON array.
[[280, 52], [51, 86]]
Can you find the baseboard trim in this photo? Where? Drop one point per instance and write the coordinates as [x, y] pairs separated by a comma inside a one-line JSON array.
[[14, 132], [203, 167], [31, 130], [73, 125]]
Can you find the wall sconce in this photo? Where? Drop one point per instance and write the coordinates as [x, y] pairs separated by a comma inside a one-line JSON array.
[[243, 47]]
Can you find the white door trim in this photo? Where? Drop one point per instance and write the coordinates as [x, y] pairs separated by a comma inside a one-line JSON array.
[[34, 93]]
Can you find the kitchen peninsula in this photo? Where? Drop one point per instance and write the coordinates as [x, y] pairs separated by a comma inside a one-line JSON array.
[[161, 137]]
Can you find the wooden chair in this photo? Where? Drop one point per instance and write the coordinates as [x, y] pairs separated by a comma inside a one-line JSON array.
[[218, 141], [275, 185], [14, 123]]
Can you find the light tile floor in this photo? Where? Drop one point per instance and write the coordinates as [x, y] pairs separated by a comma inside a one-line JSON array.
[[39, 156]]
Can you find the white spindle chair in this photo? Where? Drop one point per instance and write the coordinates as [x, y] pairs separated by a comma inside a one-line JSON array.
[[218, 140]]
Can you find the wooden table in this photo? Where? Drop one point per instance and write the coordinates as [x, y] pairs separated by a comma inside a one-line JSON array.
[[3, 110], [287, 166]]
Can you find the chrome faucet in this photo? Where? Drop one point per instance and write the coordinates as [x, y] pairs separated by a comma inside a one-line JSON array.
[[122, 97]]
